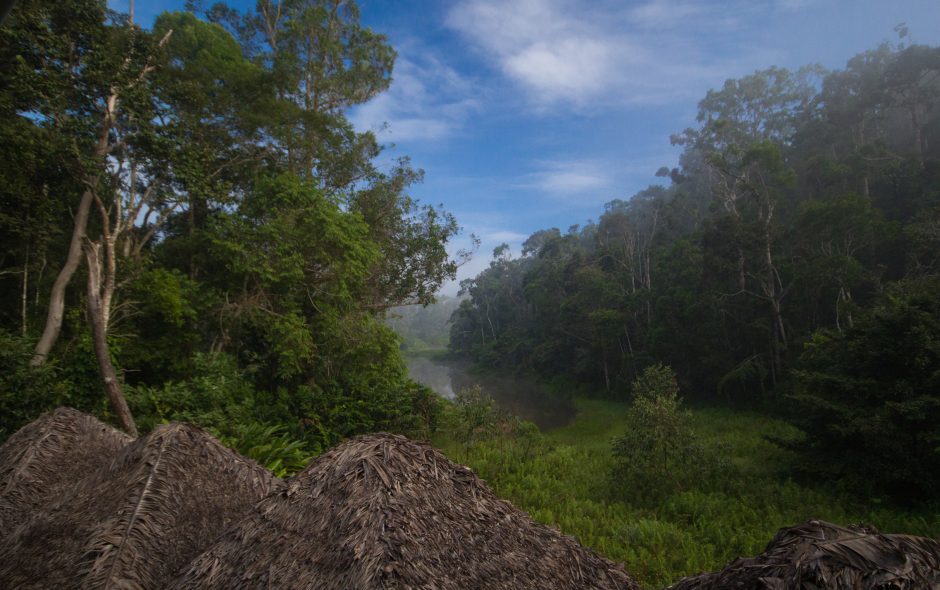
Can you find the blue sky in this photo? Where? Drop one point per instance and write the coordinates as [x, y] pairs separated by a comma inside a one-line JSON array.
[[528, 114]]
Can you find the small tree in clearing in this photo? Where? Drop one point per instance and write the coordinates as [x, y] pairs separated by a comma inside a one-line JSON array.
[[474, 417], [655, 453]]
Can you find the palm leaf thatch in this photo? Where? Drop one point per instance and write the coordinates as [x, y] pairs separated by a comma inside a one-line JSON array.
[[381, 511], [45, 457], [818, 554], [133, 522]]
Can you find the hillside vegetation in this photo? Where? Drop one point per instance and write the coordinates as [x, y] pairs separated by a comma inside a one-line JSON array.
[[563, 478], [192, 229], [789, 262]]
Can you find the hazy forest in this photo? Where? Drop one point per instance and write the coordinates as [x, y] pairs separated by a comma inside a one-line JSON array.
[[191, 229]]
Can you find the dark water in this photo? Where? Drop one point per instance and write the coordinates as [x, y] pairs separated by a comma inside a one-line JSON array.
[[516, 396]]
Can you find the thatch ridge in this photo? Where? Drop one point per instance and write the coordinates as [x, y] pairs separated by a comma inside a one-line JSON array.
[[136, 520], [382, 511], [43, 458], [817, 554]]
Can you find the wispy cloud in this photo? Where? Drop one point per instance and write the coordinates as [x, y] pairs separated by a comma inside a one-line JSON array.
[[795, 4], [590, 53], [509, 237], [428, 100], [566, 178], [666, 13]]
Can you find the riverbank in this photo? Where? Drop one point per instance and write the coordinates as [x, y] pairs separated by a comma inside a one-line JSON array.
[[563, 481], [514, 395]]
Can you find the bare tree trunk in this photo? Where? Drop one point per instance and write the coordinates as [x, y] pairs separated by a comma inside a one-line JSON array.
[[53, 325], [99, 335], [24, 293], [57, 297], [918, 134], [626, 332], [838, 323]]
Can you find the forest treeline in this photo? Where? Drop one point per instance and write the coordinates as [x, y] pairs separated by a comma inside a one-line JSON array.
[[790, 259], [188, 219]]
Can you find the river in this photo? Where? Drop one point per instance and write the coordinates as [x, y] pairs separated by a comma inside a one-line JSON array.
[[521, 397]]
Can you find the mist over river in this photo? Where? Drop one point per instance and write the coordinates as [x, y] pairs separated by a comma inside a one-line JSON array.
[[521, 397]]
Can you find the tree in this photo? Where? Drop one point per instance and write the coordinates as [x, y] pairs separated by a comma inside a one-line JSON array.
[[110, 64], [867, 397], [87, 71], [658, 448], [223, 205]]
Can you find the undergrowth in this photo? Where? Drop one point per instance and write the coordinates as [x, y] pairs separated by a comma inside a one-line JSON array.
[[564, 481]]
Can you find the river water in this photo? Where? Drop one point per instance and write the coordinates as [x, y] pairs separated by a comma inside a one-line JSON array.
[[520, 397]]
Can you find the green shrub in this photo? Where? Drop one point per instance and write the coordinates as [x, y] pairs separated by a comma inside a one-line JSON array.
[[659, 452], [868, 399], [26, 392], [474, 417], [271, 446], [217, 397]]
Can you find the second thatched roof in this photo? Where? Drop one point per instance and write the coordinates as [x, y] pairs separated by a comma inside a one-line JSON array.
[[818, 554], [138, 518], [382, 511]]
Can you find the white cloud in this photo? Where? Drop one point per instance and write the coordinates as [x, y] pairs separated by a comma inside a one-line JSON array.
[[569, 69], [509, 237], [597, 53], [537, 44], [564, 179], [428, 100]]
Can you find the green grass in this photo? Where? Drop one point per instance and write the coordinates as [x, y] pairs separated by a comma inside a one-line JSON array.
[[565, 483]]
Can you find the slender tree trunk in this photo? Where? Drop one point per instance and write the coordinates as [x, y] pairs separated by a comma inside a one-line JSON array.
[[770, 290], [53, 325], [24, 293], [626, 332], [42, 268], [109, 283], [99, 335], [918, 135], [838, 323]]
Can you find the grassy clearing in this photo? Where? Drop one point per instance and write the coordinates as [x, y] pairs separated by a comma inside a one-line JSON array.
[[564, 482]]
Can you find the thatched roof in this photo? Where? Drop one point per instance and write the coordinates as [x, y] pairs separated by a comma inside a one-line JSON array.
[[381, 511], [43, 459], [818, 554], [134, 521]]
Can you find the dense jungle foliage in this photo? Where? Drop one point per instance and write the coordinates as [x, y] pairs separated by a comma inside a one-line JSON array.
[[700, 517], [191, 229], [789, 262], [188, 218]]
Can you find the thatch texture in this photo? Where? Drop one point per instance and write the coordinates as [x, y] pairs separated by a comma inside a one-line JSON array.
[[41, 461], [816, 555], [381, 511], [136, 520]]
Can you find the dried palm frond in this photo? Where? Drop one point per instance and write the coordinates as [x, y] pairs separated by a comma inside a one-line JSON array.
[[382, 511], [817, 554]]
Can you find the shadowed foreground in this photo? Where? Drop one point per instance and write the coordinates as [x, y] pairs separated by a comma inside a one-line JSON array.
[[42, 460], [83, 506], [818, 554], [377, 511], [139, 517], [382, 511]]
